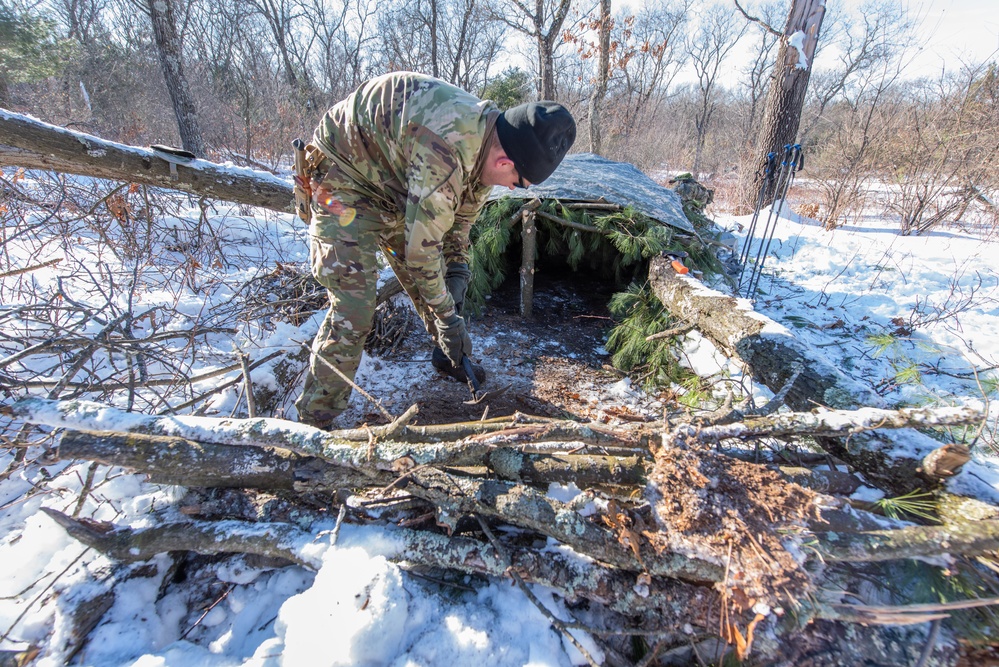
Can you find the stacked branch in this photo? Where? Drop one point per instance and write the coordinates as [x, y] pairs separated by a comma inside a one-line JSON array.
[[690, 534]]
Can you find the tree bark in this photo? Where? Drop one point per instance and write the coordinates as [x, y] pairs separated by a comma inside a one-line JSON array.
[[603, 74], [274, 540], [172, 460], [788, 84], [171, 53], [974, 538], [32, 144], [275, 454]]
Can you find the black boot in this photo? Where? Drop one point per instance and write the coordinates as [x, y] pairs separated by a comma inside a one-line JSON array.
[[444, 365]]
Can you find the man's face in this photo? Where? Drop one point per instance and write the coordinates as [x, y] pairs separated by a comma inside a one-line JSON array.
[[500, 170]]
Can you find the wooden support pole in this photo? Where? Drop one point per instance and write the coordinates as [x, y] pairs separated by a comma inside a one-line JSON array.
[[529, 235]]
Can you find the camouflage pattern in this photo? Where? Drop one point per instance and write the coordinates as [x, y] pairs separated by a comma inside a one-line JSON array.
[[691, 192], [398, 165]]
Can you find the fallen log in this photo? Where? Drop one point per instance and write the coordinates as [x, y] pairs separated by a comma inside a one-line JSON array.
[[274, 540], [968, 539], [456, 496], [172, 460], [478, 436], [781, 362], [32, 144]]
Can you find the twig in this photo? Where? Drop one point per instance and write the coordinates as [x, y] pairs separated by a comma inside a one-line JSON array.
[[225, 385], [210, 607], [763, 24], [251, 402], [554, 620], [676, 331], [29, 269], [372, 399], [88, 485], [931, 643], [774, 404], [651, 655]]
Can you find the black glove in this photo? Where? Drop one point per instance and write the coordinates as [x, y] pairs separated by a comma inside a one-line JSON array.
[[452, 337], [456, 278]]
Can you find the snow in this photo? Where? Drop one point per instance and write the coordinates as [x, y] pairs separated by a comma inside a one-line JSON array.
[[797, 41], [835, 290]]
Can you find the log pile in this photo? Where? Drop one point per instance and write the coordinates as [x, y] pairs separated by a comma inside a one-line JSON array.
[[675, 533]]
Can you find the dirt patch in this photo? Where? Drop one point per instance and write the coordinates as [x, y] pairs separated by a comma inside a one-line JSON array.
[[551, 364], [709, 505]]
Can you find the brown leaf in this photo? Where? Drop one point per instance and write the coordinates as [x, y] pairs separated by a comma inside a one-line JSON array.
[[620, 523]]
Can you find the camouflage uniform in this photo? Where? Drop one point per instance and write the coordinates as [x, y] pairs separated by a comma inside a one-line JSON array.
[[398, 168]]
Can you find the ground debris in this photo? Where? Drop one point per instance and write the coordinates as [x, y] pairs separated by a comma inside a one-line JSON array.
[[705, 503]]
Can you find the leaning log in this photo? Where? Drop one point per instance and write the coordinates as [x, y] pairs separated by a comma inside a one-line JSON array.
[[780, 361], [32, 144]]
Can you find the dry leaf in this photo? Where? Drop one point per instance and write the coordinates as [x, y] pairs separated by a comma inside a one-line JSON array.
[[403, 464], [620, 523]]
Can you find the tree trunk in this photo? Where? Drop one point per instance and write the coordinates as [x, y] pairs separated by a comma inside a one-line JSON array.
[[32, 144], [603, 73], [170, 49], [788, 85]]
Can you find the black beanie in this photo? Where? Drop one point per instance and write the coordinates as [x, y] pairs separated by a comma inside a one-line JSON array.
[[536, 136]]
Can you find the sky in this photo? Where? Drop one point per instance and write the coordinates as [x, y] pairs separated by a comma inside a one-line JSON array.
[[953, 28]]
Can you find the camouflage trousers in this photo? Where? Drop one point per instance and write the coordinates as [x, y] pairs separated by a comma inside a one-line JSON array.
[[343, 250]]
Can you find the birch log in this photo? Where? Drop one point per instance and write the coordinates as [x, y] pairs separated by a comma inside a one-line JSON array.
[[901, 462], [30, 143]]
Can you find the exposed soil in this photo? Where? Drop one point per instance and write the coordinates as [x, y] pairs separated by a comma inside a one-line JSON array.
[[552, 364]]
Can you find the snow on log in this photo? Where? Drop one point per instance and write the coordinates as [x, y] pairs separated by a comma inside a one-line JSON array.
[[274, 540], [32, 144], [900, 462], [173, 460]]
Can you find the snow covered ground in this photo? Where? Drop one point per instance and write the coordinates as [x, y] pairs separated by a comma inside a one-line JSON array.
[[912, 317]]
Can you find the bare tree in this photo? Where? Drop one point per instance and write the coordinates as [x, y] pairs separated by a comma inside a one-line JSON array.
[[455, 40], [542, 24], [943, 153], [716, 36], [163, 16], [603, 74], [755, 81], [281, 17], [651, 54], [878, 31]]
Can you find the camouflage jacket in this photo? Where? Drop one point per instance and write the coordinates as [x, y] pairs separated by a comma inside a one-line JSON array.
[[408, 146]]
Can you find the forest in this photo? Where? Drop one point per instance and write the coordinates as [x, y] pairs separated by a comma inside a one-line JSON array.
[[680, 86]]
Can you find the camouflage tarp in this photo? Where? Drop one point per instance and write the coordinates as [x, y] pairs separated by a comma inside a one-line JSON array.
[[586, 177]]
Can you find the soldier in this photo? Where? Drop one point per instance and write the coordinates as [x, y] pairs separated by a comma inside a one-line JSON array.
[[404, 164]]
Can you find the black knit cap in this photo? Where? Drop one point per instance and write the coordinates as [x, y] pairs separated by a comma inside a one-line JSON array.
[[536, 136]]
